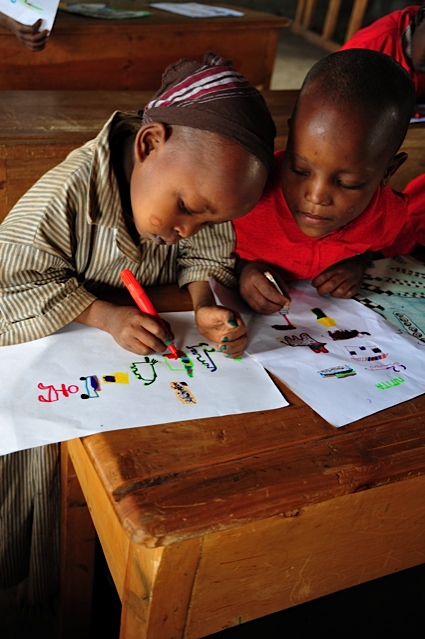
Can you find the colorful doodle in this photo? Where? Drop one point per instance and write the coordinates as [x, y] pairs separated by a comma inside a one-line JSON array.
[[396, 367], [183, 363], [53, 393], [340, 372], [322, 318], [149, 365], [183, 392], [396, 381], [365, 353], [116, 378], [304, 339], [92, 385]]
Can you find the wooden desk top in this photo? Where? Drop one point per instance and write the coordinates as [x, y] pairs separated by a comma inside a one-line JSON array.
[[69, 23], [86, 53], [172, 482]]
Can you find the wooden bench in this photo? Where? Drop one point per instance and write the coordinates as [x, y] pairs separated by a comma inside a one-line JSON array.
[[90, 54], [39, 128]]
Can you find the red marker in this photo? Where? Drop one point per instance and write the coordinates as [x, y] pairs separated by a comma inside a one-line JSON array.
[[143, 301]]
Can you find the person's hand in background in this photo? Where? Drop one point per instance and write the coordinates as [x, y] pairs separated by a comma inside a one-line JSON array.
[[29, 35]]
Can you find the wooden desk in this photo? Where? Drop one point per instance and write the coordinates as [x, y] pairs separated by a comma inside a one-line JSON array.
[[206, 524], [39, 128], [87, 53]]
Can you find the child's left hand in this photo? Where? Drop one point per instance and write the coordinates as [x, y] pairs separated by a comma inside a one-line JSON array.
[[224, 327], [342, 279]]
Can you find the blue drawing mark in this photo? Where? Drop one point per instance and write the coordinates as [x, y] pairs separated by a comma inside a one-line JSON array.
[[93, 387]]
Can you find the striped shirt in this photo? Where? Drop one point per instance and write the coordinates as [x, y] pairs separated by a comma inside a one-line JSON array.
[[65, 242]]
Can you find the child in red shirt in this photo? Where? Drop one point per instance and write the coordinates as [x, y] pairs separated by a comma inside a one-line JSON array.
[[327, 202], [401, 35]]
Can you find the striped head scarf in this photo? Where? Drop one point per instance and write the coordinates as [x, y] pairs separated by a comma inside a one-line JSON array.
[[212, 96]]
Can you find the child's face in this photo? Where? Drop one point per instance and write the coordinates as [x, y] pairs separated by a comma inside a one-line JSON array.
[[175, 193], [333, 165]]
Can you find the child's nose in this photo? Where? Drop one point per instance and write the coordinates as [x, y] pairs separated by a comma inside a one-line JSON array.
[[189, 228], [318, 193]]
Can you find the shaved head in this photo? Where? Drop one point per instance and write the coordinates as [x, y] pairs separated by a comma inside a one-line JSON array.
[[367, 83]]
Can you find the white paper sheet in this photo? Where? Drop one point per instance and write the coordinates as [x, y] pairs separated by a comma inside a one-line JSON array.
[[42, 384], [29, 12], [196, 10], [339, 357]]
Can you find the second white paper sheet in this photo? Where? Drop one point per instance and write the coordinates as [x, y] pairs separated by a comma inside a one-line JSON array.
[[341, 358]]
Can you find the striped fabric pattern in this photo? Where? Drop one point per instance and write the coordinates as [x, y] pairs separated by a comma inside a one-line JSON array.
[[65, 243], [62, 245], [204, 86], [29, 522]]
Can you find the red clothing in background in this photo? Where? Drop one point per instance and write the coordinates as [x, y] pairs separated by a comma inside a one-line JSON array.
[[269, 233], [415, 226], [416, 192], [384, 35]]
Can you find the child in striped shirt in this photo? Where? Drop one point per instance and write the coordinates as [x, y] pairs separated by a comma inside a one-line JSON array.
[[154, 193]]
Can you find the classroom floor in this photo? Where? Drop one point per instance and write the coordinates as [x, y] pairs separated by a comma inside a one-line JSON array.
[[391, 607]]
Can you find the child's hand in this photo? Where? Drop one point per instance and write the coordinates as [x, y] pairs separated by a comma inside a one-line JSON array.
[[131, 329], [224, 327], [342, 279], [29, 35], [258, 292], [136, 332]]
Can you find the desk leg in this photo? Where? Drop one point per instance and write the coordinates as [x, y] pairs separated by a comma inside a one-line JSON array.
[[76, 556], [157, 590]]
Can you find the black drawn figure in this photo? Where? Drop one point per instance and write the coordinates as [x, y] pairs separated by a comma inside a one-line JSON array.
[[304, 339], [203, 357], [346, 334], [183, 393], [284, 327]]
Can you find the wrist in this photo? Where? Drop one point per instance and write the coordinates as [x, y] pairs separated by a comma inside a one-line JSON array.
[[201, 295]]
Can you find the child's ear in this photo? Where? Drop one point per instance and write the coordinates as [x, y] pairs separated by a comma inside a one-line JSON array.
[[150, 137], [393, 166]]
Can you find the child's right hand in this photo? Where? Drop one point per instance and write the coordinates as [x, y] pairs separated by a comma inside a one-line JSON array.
[[131, 329], [258, 292]]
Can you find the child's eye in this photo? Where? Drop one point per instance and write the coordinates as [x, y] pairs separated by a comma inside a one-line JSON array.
[[183, 208], [350, 187], [297, 171]]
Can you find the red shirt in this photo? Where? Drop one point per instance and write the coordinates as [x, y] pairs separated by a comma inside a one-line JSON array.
[[415, 226], [269, 233], [384, 35]]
